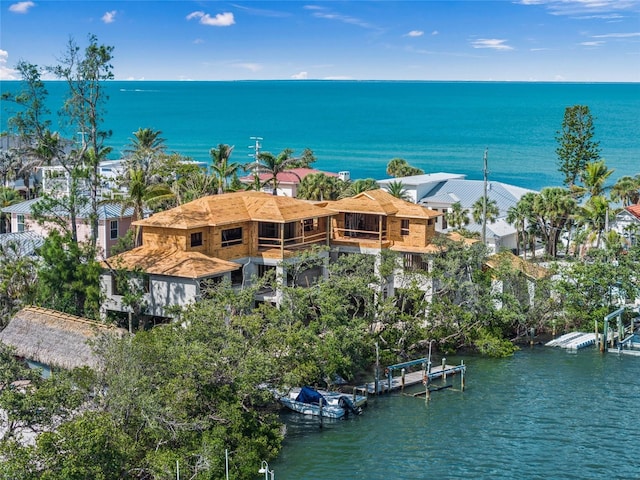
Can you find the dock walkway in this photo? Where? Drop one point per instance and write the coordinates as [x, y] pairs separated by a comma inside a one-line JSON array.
[[411, 378]]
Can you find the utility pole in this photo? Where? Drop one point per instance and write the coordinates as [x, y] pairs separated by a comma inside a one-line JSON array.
[[256, 150], [484, 199]]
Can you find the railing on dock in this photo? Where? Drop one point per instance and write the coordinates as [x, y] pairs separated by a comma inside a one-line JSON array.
[[406, 379]]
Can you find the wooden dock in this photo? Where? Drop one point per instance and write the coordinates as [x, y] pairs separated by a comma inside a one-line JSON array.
[[405, 379]]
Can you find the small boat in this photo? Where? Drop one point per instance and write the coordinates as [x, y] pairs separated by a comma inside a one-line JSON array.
[[309, 401]]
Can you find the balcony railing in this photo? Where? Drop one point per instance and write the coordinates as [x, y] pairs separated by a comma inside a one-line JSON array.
[[292, 242]]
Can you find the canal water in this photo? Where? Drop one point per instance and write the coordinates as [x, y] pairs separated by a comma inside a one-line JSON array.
[[542, 414]]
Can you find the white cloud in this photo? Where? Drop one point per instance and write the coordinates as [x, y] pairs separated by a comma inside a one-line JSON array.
[[5, 72], [415, 33], [109, 17], [493, 43], [21, 7], [585, 9], [220, 20], [592, 44], [300, 76], [618, 35], [253, 67], [435, 32], [320, 12]]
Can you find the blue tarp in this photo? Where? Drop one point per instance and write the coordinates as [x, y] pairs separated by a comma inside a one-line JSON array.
[[309, 395]]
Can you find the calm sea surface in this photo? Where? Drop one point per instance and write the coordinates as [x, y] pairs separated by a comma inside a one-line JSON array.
[[360, 126], [542, 414]]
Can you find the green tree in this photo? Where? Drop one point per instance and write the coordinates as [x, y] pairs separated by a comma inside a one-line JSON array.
[[318, 186], [517, 215], [142, 195], [351, 189], [18, 280], [145, 148], [477, 211], [593, 177], [273, 165], [398, 190], [457, 216], [86, 72], [221, 166], [576, 147], [398, 167], [30, 123], [553, 208], [8, 197], [593, 217], [69, 278], [626, 190]]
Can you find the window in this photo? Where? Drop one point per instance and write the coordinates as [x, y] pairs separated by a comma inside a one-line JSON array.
[[114, 285], [236, 277], [310, 224], [415, 262], [196, 239], [430, 221], [232, 236], [21, 223], [113, 229], [444, 219], [404, 227]]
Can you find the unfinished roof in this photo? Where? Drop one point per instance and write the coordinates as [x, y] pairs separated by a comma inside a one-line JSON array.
[[55, 338], [531, 270], [226, 208], [381, 202], [174, 263]]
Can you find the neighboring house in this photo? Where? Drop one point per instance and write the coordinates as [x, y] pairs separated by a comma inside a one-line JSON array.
[[439, 191], [49, 339], [246, 235], [288, 181], [25, 244], [112, 223], [524, 280], [627, 224]]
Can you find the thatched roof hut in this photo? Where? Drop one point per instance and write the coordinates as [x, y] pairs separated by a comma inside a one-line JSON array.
[[54, 338]]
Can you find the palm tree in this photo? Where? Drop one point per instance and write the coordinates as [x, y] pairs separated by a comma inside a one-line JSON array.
[[141, 195], [8, 197], [193, 186], [361, 185], [273, 165], [553, 208], [397, 189], [593, 217], [594, 176], [221, 166], [517, 216], [626, 190], [457, 216], [146, 146], [8, 164], [478, 208], [318, 186]]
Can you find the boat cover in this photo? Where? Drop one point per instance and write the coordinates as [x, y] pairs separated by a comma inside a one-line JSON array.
[[309, 395]]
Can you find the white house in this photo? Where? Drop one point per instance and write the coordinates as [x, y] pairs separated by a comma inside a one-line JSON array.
[[439, 191], [627, 224]]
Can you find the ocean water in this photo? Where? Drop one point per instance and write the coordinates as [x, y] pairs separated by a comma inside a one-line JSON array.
[[543, 414], [360, 125]]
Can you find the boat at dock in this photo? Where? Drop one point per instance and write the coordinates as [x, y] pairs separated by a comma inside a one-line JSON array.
[[309, 401]]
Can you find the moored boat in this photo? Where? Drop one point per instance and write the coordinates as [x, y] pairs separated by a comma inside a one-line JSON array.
[[309, 401]]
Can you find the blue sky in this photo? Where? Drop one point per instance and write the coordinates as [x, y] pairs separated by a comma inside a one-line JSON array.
[[522, 40]]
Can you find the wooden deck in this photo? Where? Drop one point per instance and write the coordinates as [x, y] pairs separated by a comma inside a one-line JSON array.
[[410, 379]]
